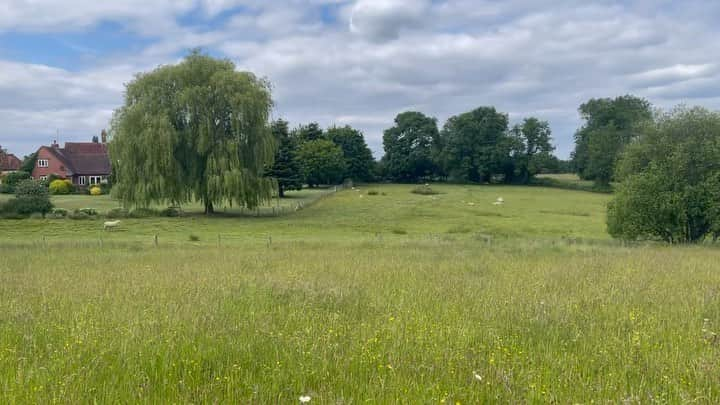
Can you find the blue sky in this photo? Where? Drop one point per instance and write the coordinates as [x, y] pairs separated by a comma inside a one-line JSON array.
[[63, 65]]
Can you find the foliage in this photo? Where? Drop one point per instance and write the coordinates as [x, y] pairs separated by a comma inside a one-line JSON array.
[[670, 180], [475, 145], [117, 213], [95, 191], [322, 162], [193, 131], [143, 213], [285, 170], [60, 186], [171, 212], [30, 197], [410, 147], [80, 215], [29, 162], [609, 126], [357, 156], [307, 133], [11, 180], [531, 148], [60, 212]]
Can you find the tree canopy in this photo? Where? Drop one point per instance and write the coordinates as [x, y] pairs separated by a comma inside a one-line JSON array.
[[197, 130], [356, 154], [322, 162], [532, 150], [670, 180], [285, 170], [475, 145], [410, 147], [609, 126]]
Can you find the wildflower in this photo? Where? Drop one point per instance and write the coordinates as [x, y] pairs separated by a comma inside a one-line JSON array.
[[305, 399], [477, 376]]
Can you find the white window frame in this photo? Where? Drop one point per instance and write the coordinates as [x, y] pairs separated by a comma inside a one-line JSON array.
[[43, 163], [43, 178], [81, 180], [94, 180]]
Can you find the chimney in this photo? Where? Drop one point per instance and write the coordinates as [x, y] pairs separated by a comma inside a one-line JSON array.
[[103, 136], [55, 144]]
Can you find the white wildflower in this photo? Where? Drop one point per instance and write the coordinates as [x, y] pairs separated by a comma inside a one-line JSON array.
[[305, 399]]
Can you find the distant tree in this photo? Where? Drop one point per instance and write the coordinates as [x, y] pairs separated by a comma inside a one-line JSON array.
[[11, 180], [475, 145], [197, 130], [322, 162], [357, 155], [28, 163], [30, 197], [285, 169], [306, 133], [670, 180], [409, 147], [609, 127], [95, 139], [532, 150]]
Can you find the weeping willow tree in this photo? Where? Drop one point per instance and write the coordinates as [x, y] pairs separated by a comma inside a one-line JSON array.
[[195, 131]]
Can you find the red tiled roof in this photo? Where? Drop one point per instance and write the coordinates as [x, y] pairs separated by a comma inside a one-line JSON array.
[[9, 162], [84, 158]]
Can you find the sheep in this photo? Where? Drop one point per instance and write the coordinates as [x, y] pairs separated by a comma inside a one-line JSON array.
[[110, 225], [499, 201]]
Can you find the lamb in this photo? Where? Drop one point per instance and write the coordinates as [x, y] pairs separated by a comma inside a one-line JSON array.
[[110, 225]]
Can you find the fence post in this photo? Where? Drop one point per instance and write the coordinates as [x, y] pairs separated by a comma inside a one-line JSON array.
[[156, 240]]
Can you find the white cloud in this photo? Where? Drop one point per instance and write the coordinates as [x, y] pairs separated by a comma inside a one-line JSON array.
[[379, 58]]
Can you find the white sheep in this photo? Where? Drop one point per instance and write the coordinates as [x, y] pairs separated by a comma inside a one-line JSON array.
[[499, 201], [110, 225]]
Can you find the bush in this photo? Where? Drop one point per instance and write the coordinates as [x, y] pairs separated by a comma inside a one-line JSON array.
[[59, 212], [11, 180], [424, 190], [194, 238], [95, 191], [373, 192], [89, 211], [171, 212], [117, 213], [30, 197], [79, 215], [143, 213], [60, 187]]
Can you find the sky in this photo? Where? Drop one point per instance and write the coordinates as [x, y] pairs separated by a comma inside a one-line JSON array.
[[64, 64]]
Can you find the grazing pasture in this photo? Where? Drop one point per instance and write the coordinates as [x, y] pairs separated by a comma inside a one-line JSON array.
[[374, 294]]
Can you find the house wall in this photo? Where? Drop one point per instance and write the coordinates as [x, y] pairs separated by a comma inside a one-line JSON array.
[[55, 166]]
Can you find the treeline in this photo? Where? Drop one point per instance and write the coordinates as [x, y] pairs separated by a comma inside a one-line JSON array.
[[478, 146]]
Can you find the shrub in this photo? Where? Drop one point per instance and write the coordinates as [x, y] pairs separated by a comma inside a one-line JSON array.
[[143, 213], [60, 187], [77, 214], [11, 180], [59, 211], [424, 190], [373, 192], [95, 191], [117, 213], [89, 211], [194, 238], [170, 212], [30, 197]]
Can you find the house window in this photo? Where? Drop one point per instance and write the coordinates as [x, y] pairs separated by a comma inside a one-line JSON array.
[[43, 178], [43, 163], [95, 179], [81, 180]]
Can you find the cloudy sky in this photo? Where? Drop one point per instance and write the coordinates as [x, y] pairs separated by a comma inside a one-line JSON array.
[[63, 64]]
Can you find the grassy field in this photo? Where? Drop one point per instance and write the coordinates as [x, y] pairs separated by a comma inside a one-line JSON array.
[[381, 298]]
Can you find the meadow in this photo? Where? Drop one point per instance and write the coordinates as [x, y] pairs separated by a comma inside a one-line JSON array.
[[374, 294]]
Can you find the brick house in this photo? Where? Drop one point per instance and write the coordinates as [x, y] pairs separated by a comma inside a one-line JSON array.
[[8, 162], [84, 163]]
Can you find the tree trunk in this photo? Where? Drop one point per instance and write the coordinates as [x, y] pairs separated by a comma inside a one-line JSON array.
[[209, 209], [281, 191]]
